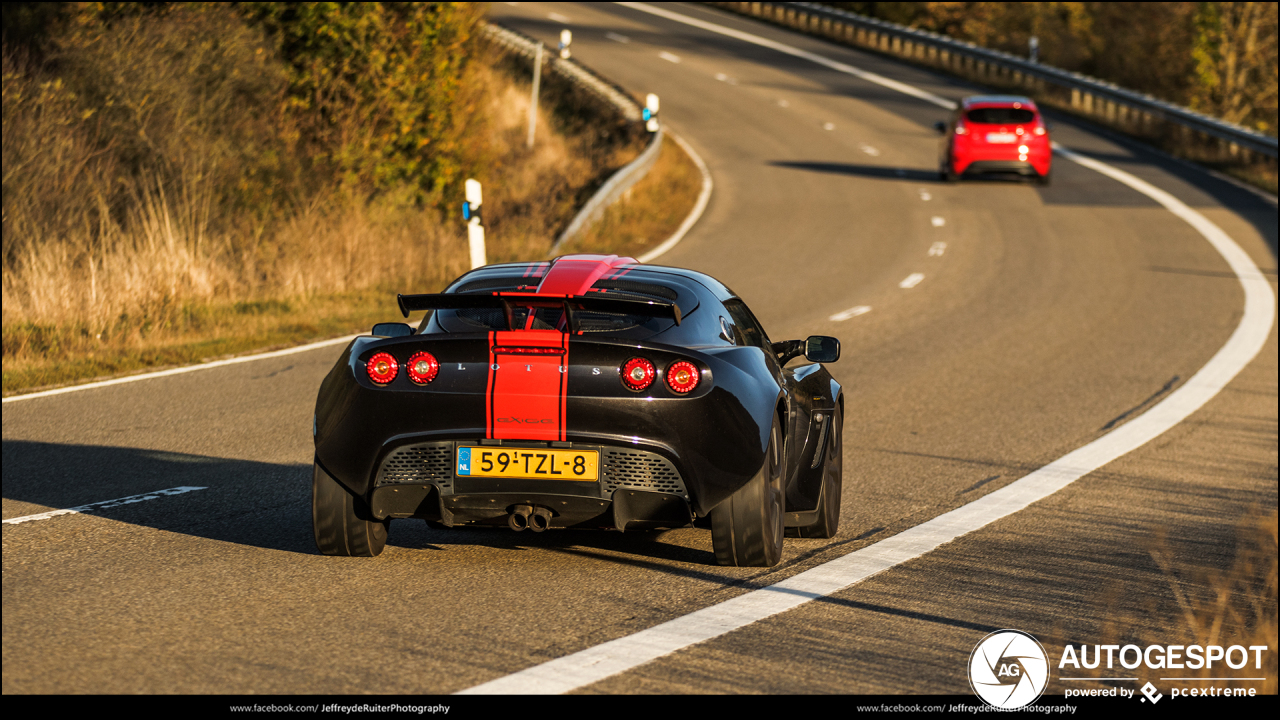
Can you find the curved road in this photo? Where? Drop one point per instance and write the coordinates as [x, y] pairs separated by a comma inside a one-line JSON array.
[[1038, 319]]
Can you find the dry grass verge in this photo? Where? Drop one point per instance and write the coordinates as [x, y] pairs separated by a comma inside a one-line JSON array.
[[175, 276], [1230, 605], [336, 272]]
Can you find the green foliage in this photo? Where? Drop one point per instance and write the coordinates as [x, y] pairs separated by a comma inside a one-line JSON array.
[[1234, 55], [258, 109], [381, 90]]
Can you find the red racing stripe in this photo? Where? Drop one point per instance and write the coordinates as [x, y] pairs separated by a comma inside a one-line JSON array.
[[488, 393], [573, 274], [526, 393]]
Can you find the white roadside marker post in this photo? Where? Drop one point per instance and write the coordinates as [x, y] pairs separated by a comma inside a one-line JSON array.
[[533, 103], [650, 114], [566, 37], [475, 231]]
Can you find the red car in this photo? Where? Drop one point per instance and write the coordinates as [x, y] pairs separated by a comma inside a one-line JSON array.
[[997, 134]]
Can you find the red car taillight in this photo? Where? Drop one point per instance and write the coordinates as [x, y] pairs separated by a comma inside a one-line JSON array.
[[382, 368], [637, 374], [422, 368], [683, 376]]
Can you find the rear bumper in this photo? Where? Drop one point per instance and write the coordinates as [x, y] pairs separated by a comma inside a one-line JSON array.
[[1004, 167], [636, 489]]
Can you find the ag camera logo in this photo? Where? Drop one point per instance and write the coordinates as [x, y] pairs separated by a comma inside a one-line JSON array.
[[1008, 669]]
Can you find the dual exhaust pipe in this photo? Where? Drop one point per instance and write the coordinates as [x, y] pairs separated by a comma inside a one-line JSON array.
[[536, 519]]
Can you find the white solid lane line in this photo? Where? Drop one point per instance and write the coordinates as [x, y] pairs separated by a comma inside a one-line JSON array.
[[105, 504], [602, 661], [911, 281], [186, 369], [851, 312], [704, 196]]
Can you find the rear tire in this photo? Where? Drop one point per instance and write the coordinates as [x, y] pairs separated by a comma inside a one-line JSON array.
[[832, 469], [341, 521], [747, 528], [1043, 180], [949, 173]]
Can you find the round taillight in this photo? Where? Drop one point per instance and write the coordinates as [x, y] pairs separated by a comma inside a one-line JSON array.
[[638, 374], [382, 368], [683, 376], [422, 367]]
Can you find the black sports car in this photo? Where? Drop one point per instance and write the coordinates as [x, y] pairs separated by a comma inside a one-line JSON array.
[[589, 391]]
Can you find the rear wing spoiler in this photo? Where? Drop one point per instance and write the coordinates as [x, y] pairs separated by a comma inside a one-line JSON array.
[[507, 301]]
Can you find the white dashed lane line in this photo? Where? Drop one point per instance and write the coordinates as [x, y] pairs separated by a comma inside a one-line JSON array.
[[828, 126], [557, 17], [851, 312], [937, 249], [938, 221], [669, 57], [911, 281], [870, 151], [617, 38], [104, 505], [924, 195]]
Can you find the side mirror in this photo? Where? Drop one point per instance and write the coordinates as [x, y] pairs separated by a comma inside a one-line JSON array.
[[941, 127], [821, 349], [391, 330]]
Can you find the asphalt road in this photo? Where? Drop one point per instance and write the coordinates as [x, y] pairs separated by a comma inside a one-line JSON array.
[[1049, 316]]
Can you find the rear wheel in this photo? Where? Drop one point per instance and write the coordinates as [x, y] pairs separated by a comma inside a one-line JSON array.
[[949, 173], [341, 521], [747, 528], [1043, 179], [829, 501]]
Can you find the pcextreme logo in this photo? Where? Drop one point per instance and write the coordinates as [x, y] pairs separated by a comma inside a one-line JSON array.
[[1008, 669]]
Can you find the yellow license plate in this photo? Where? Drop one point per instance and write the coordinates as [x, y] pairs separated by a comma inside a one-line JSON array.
[[534, 463]]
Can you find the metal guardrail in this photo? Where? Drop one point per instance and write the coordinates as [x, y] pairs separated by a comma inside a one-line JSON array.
[[629, 174], [1128, 110], [526, 46], [611, 190]]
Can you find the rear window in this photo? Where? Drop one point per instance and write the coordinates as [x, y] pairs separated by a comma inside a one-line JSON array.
[[1000, 116], [632, 326], [485, 319]]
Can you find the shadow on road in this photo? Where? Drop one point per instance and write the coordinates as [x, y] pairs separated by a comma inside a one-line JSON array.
[[259, 504], [263, 505]]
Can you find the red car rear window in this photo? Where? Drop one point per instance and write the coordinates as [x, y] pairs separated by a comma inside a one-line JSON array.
[[1000, 116]]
